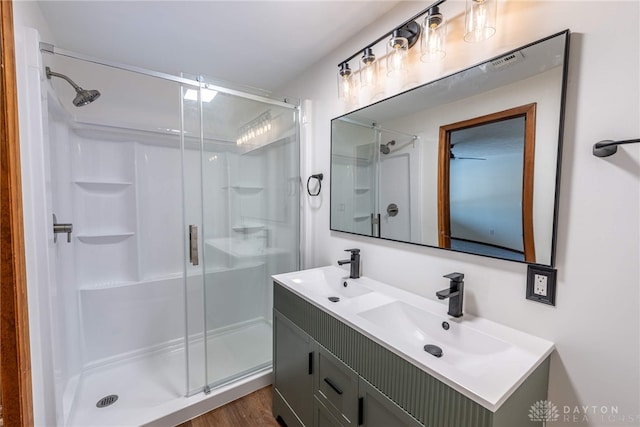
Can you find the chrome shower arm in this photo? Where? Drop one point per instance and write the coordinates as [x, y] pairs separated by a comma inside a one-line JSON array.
[[62, 76]]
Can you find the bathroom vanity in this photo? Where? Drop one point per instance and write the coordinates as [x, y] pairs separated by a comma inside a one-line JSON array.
[[352, 353]]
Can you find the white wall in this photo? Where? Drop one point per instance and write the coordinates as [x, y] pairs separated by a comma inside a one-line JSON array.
[[595, 323]]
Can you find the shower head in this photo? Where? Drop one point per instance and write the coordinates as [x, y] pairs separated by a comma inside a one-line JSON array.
[[384, 148], [83, 96]]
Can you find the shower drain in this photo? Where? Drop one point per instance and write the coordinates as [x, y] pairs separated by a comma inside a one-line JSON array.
[[107, 400]]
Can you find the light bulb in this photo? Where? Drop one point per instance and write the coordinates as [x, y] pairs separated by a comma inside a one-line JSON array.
[[397, 50], [434, 36], [345, 84], [480, 20], [368, 68]]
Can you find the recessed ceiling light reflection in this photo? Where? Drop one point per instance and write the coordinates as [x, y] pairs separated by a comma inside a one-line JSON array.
[[207, 95]]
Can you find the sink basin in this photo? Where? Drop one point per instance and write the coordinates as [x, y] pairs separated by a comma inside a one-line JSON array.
[[417, 327], [328, 283]]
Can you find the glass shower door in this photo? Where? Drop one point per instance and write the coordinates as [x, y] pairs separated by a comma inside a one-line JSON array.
[[248, 226]]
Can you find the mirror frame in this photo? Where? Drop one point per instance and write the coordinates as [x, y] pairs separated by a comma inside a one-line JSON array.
[[561, 118]]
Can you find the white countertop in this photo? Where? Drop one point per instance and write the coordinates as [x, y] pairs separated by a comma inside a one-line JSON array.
[[483, 360]]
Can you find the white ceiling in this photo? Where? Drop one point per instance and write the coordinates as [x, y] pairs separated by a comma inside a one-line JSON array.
[[263, 44]]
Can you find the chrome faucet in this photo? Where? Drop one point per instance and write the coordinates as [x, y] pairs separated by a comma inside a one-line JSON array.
[[354, 273], [455, 294]]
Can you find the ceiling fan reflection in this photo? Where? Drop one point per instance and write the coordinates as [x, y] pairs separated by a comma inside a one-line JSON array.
[[452, 156]]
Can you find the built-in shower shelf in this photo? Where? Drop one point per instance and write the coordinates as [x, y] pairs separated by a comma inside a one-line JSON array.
[[103, 186], [104, 238], [246, 189], [247, 227], [361, 217], [106, 285]]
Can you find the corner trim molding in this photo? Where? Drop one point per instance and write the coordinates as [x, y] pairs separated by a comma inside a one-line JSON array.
[[15, 357]]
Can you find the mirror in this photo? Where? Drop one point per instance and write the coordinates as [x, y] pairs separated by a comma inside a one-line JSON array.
[[468, 163]]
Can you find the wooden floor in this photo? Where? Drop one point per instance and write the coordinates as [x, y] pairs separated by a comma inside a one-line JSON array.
[[253, 410]]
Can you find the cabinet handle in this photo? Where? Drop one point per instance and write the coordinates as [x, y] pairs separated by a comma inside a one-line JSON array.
[[311, 363], [361, 411], [333, 386]]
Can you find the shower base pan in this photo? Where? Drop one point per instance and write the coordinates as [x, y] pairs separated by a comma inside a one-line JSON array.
[[149, 388]]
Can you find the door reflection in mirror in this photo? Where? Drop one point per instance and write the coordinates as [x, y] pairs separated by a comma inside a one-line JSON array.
[[485, 185]]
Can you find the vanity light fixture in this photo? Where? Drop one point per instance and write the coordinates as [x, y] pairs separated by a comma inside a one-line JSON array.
[[480, 24], [255, 129], [434, 36], [480, 20]]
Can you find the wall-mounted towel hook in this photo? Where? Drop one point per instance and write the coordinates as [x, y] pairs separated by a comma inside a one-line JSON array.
[[607, 147], [319, 177]]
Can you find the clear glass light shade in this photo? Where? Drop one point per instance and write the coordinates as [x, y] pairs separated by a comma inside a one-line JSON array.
[[368, 69], [480, 20], [345, 83], [434, 38], [397, 50]]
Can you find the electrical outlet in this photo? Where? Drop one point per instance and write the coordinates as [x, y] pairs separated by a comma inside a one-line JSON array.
[[541, 284]]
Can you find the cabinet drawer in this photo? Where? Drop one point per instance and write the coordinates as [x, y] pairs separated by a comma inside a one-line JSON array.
[[322, 417], [336, 386]]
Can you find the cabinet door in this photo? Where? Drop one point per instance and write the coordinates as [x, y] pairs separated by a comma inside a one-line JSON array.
[[293, 369], [376, 410]]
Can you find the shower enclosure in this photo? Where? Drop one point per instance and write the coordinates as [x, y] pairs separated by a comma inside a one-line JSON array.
[[180, 198]]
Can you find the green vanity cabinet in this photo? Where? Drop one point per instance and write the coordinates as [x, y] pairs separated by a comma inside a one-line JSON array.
[[328, 374], [312, 387]]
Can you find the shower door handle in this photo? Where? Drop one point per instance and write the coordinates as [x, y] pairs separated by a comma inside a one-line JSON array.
[[193, 244], [375, 224]]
